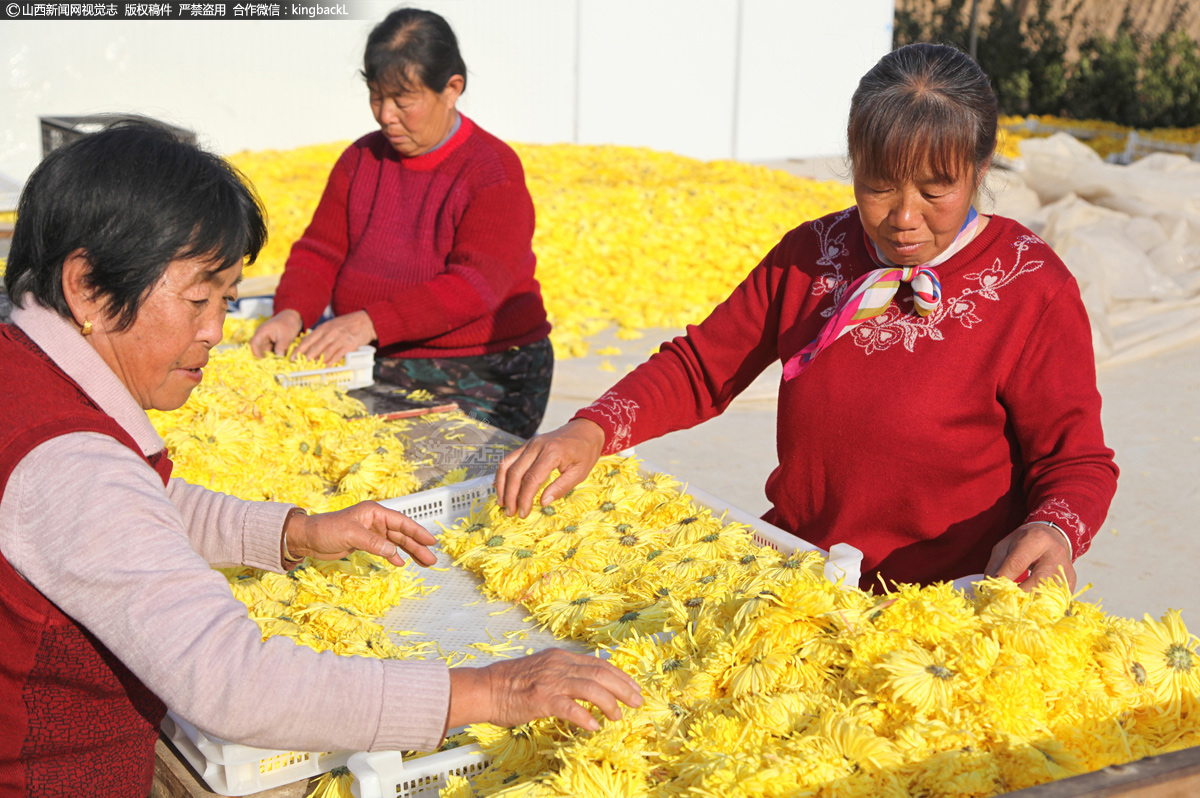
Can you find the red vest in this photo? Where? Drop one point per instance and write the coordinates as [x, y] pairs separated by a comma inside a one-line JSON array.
[[74, 721]]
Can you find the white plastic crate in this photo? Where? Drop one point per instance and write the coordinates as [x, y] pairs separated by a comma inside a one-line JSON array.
[[252, 307], [356, 371], [385, 774], [230, 769], [456, 614]]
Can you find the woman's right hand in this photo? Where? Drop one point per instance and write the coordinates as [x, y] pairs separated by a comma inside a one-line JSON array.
[[573, 449], [277, 333], [549, 683]]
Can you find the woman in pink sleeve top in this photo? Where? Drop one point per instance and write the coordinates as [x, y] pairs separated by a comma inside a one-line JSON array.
[[938, 408], [127, 247]]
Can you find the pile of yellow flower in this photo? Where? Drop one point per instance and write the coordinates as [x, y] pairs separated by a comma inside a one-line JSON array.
[[330, 605], [644, 239], [625, 236], [1104, 137], [239, 330], [243, 434], [761, 677]]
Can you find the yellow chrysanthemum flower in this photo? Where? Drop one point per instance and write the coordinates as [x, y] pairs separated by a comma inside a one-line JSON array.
[[921, 679], [1167, 652]]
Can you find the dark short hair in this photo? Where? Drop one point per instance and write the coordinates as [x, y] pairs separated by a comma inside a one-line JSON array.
[[411, 42], [922, 104], [134, 198]]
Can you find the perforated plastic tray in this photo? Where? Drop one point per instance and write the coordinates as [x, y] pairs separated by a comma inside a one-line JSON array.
[[230, 769], [386, 774], [456, 615], [356, 371]]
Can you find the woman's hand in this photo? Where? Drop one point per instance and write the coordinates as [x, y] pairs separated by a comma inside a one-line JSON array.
[[1038, 548], [367, 526], [276, 333], [572, 448], [333, 339], [547, 684]]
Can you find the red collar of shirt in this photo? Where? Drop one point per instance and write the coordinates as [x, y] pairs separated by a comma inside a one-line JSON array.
[[431, 160]]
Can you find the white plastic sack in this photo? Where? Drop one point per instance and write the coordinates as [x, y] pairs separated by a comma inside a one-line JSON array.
[[1129, 234]]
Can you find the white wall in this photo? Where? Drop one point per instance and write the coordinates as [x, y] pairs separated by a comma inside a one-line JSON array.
[[800, 62], [661, 74], [751, 79]]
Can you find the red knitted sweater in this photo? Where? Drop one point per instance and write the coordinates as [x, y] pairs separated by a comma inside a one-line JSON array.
[[73, 719], [436, 248], [922, 441]]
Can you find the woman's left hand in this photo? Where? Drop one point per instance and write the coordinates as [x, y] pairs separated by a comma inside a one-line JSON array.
[[333, 339], [1037, 548], [367, 526]]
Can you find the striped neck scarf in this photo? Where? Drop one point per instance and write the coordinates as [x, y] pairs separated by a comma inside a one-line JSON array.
[[870, 295]]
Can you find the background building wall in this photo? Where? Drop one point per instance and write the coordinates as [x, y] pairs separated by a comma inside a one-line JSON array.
[[747, 79]]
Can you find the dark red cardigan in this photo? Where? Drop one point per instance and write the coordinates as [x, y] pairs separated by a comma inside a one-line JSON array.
[[73, 719]]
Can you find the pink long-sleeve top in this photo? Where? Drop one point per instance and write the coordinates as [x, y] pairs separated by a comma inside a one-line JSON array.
[[88, 523]]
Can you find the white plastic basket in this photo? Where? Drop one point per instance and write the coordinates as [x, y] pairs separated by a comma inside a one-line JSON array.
[[252, 307], [230, 769], [356, 371], [457, 615], [842, 561], [385, 774]]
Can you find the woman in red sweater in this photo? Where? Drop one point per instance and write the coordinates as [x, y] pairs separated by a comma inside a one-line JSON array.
[[938, 408], [422, 243]]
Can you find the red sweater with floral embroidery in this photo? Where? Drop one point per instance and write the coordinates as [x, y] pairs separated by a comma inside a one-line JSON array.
[[922, 441], [435, 248]]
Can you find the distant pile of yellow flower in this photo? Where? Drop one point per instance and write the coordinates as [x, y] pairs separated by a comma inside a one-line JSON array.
[[1106, 138], [626, 237], [642, 239], [761, 677]]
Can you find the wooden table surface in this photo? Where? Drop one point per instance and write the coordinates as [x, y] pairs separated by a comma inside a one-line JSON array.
[[175, 778]]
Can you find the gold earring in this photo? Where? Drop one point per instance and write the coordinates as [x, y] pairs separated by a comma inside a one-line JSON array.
[[87, 327]]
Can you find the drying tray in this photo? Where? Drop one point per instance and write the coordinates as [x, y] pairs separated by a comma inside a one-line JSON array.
[[387, 774], [234, 770], [456, 615], [354, 372]]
